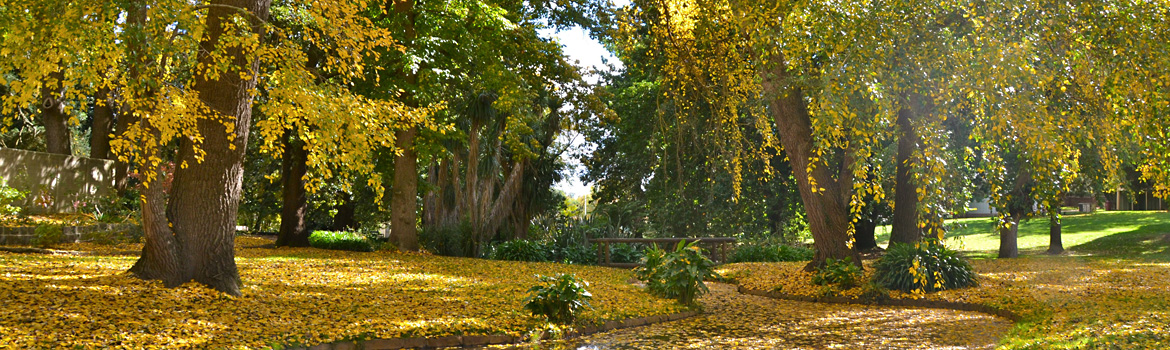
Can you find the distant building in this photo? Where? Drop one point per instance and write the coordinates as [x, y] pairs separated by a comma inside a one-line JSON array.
[[1128, 200]]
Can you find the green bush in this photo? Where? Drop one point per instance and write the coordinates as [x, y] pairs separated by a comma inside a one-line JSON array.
[[580, 254], [448, 240], [842, 273], [924, 268], [770, 253], [625, 253], [9, 195], [340, 240], [519, 250], [678, 274], [559, 299], [47, 235]]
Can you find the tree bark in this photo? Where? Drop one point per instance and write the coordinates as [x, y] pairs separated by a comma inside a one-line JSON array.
[[1055, 245], [865, 233], [205, 194], [57, 136], [103, 123], [344, 219], [404, 194], [904, 228], [295, 199], [826, 206], [1008, 237], [404, 190], [160, 258]]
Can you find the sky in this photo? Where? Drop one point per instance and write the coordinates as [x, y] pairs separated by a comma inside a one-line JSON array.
[[578, 46]]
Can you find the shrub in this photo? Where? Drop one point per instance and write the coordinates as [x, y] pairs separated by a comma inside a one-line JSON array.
[[559, 299], [9, 195], [340, 240], [842, 273], [624, 253], [678, 274], [923, 268], [448, 240], [519, 250], [46, 235], [770, 253], [580, 254]]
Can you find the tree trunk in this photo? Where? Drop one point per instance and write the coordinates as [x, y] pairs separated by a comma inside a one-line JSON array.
[[865, 233], [57, 137], [404, 190], [827, 207], [905, 225], [122, 168], [160, 258], [293, 167], [344, 219], [1008, 237], [205, 194], [103, 120], [1055, 246], [404, 194]]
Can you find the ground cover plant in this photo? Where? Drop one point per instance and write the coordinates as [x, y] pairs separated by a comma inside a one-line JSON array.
[[922, 268], [290, 296], [559, 299], [677, 274]]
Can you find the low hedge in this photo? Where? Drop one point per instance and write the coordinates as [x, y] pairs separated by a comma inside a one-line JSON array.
[[340, 240]]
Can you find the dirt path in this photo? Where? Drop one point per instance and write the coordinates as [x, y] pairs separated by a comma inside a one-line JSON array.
[[738, 321]]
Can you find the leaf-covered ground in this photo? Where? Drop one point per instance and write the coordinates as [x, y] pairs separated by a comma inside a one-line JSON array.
[[1064, 302], [739, 321], [290, 296]]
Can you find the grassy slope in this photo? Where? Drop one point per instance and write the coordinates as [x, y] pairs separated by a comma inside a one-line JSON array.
[[291, 296], [1129, 233]]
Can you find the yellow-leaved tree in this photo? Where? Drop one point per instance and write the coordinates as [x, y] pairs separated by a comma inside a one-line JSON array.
[[188, 75]]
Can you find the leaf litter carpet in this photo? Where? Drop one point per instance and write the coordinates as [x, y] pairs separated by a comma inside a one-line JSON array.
[[739, 321]]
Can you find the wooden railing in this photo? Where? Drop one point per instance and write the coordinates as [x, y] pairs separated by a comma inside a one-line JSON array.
[[716, 245]]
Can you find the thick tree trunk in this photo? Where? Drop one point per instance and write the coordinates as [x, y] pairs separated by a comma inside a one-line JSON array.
[[57, 137], [295, 199], [205, 194], [905, 225], [103, 123], [1008, 237], [1055, 245], [865, 233], [827, 206], [161, 254], [404, 194]]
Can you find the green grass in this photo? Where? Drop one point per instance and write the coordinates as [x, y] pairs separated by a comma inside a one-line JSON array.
[[1121, 233]]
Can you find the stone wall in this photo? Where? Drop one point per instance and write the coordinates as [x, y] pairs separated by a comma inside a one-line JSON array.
[[55, 183], [23, 235]]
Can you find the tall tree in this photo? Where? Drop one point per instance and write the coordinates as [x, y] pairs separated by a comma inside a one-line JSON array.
[[202, 208], [103, 124], [58, 138]]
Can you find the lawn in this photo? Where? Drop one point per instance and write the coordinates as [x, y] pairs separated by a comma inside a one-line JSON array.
[[1101, 233], [1113, 291], [290, 296]]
